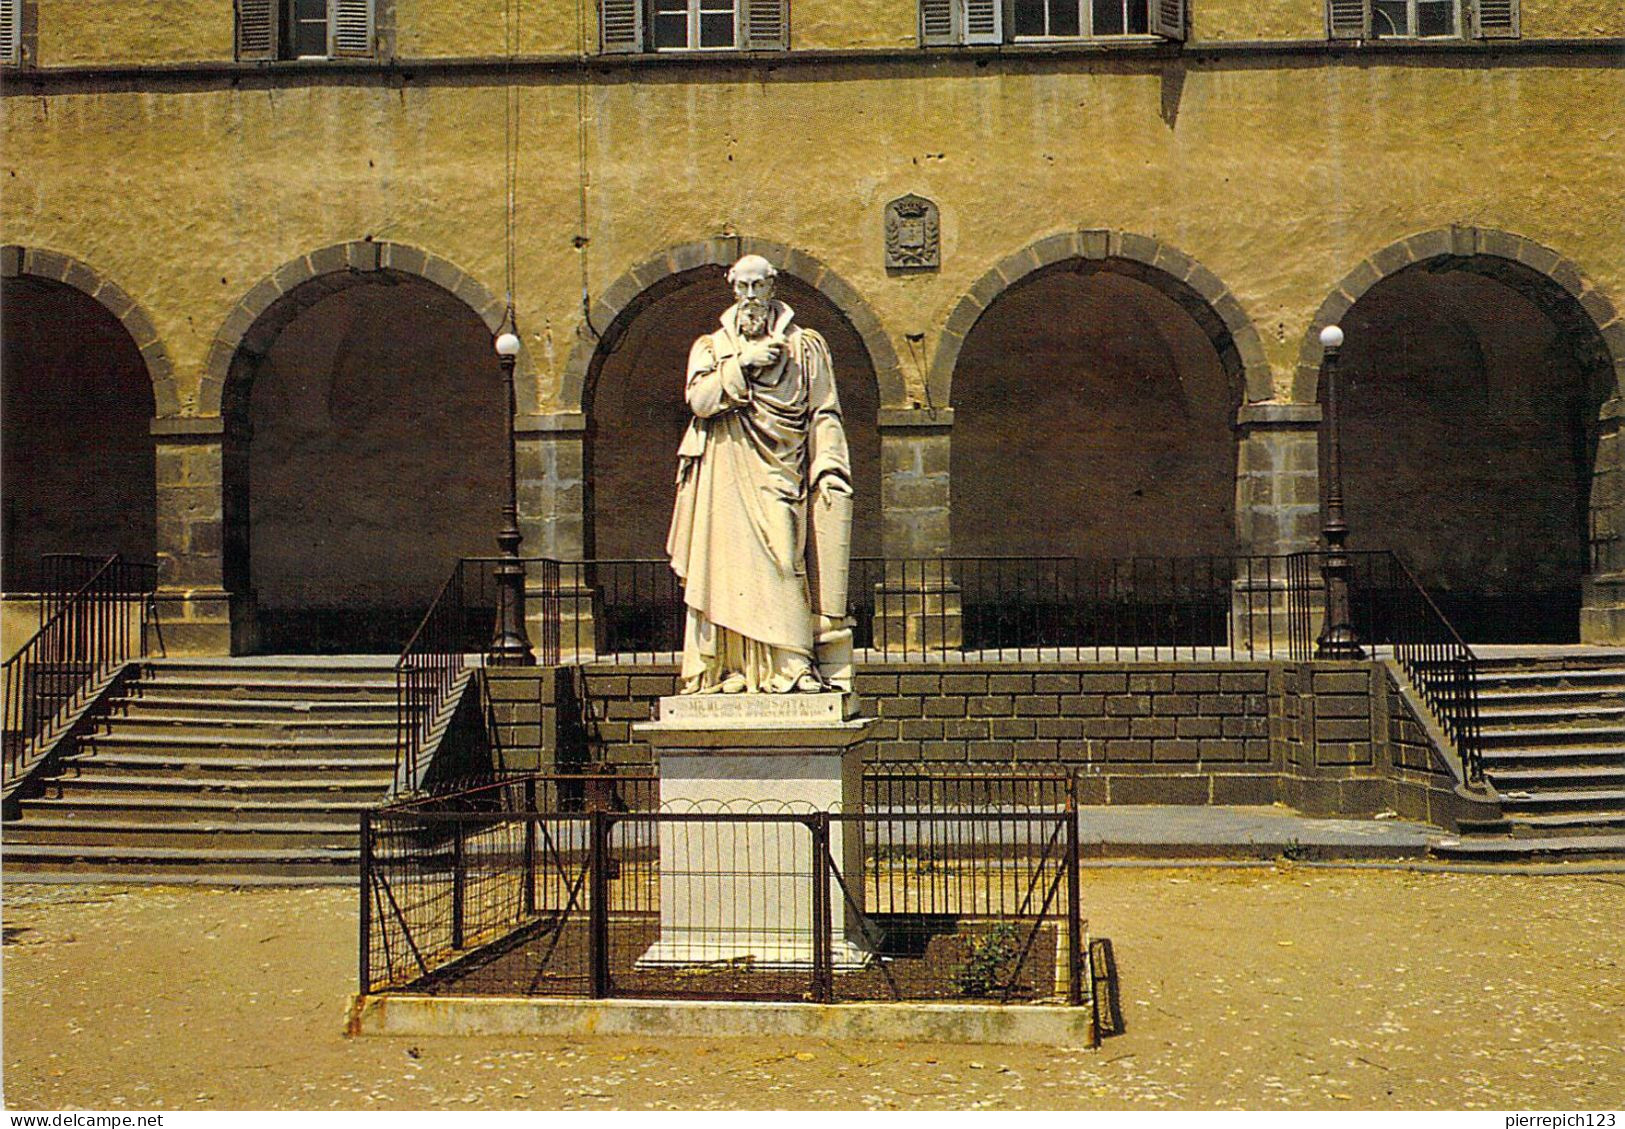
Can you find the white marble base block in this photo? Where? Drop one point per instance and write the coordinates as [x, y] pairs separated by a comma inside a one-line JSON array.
[[742, 891]]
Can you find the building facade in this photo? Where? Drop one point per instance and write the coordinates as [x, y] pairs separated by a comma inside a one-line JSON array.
[[1072, 256]]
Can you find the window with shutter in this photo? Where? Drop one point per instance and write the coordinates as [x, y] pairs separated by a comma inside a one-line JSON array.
[[351, 28], [937, 23], [620, 25], [258, 31], [1168, 19], [1495, 19], [767, 25], [11, 32], [983, 21]]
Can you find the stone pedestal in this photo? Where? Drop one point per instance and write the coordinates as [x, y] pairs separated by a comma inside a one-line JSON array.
[[744, 890]]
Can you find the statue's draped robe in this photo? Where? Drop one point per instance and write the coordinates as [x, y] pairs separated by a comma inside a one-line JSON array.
[[738, 540]]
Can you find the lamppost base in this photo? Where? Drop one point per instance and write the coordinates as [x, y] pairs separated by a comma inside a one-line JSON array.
[[1339, 643], [510, 650]]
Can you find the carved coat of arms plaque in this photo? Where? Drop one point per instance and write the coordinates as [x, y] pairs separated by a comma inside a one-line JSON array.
[[913, 239]]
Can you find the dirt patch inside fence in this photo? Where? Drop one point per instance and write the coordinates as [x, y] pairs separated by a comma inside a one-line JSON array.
[[1285, 988]]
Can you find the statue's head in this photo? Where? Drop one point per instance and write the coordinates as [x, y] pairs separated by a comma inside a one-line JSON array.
[[752, 279]]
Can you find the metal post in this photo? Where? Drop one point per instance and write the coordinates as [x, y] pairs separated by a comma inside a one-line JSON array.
[[598, 827], [530, 847], [511, 646], [366, 902], [823, 925], [1337, 638], [1074, 915], [459, 881]]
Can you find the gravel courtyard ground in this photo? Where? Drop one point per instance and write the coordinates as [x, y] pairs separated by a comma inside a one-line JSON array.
[[1280, 987]]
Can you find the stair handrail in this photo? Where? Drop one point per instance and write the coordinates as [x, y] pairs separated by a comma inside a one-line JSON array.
[[88, 635], [1443, 670], [425, 673]]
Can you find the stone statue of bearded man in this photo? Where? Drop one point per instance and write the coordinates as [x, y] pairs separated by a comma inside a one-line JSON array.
[[761, 530]]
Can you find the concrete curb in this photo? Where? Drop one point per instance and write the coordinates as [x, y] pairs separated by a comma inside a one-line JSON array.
[[900, 1022]]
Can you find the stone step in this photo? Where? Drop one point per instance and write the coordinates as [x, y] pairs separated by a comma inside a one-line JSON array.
[[184, 709], [1552, 777], [1552, 698], [1610, 678], [1603, 821], [186, 766], [263, 689], [288, 727], [289, 862], [1599, 736], [1590, 658], [182, 808], [1558, 757], [1512, 849], [74, 788], [119, 741], [374, 668], [1517, 802], [1586, 711], [113, 831]]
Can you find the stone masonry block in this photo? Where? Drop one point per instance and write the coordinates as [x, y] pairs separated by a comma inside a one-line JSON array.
[[1037, 705], [1600, 309], [45, 264], [1056, 248], [292, 273], [1114, 683], [1200, 727], [1176, 263], [1154, 727], [920, 729], [965, 315], [1429, 244], [1150, 683], [1013, 268], [1060, 728], [1010, 683], [1175, 751], [1127, 751], [994, 705], [1394, 257], [900, 707], [964, 683], [1055, 683], [1542, 259], [1195, 683], [1139, 248], [1106, 727], [874, 685], [1174, 704], [944, 706], [966, 729], [1083, 705], [1128, 705]]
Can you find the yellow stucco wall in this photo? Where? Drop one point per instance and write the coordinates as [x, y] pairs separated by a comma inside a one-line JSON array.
[[1279, 179], [90, 32]]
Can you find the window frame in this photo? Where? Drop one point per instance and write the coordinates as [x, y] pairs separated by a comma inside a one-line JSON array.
[[265, 31], [695, 11], [1086, 26], [1355, 21], [1458, 20]]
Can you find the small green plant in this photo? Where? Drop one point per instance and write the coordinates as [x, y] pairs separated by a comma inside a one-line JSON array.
[[991, 952]]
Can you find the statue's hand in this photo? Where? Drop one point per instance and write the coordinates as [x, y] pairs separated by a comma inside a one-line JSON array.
[[834, 485], [762, 353]]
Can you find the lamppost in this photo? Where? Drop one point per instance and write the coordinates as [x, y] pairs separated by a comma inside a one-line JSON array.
[[1337, 638], [510, 646]]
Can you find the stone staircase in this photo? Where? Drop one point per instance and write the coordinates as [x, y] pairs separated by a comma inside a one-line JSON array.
[[219, 770], [1554, 749]]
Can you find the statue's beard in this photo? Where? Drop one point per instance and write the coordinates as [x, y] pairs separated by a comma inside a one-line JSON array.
[[753, 317]]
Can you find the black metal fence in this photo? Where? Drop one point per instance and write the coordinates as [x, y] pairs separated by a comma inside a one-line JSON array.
[[94, 618], [1390, 610], [456, 631], [605, 900]]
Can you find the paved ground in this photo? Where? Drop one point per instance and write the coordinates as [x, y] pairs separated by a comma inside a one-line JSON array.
[[1274, 987]]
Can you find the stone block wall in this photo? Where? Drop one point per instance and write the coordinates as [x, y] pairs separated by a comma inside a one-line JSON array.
[[1325, 738]]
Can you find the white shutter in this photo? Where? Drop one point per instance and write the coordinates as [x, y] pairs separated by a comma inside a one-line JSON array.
[[1168, 19], [620, 25], [1348, 19], [937, 23], [257, 29], [766, 25], [984, 21], [11, 32], [350, 28], [1495, 19]]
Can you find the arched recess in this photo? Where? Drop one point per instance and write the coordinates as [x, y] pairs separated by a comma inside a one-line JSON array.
[[84, 372], [1094, 378], [363, 447], [629, 385], [1481, 377]]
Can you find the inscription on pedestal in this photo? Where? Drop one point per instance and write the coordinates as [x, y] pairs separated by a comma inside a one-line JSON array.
[[757, 709]]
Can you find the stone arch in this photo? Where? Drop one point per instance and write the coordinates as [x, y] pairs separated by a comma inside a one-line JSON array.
[[1195, 288], [653, 278], [57, 267], [271, 304], [1499, 426], [1482, 250]]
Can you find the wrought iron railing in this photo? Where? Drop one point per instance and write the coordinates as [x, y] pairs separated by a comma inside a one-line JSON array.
[[745, 904], [94, 618], [997, 608], [1391, 611], [454, 633]]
